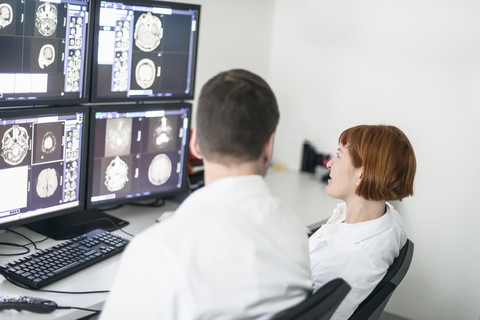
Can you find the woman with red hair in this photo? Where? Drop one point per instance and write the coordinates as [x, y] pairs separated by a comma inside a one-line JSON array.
[[374, 164]]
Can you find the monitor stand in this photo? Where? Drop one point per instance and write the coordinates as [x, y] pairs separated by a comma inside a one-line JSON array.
[[77, 223]]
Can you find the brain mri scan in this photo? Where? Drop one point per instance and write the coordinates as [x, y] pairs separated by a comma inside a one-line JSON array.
[[46, 19], [47, 183], [148, 32], [15, 143], [145, 73], [49, 142], [116, 175], [163, 133], [6, 15], [46, 56], [160, 169], [118, 136]]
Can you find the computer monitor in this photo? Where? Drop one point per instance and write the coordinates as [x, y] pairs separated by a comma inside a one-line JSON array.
[[42, 163], [137, 152], [144, 50], [44, 52]]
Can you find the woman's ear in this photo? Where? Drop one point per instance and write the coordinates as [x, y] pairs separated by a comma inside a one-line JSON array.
[[194, 149], [360, 174]]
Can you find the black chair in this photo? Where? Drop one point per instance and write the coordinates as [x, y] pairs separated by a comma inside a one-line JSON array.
[[373, 305], [320, 305]]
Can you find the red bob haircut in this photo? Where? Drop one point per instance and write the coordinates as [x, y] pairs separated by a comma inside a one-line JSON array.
[[387, 158]]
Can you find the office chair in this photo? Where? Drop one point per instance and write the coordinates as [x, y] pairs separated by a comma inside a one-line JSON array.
[[320, 305], [373, 305]]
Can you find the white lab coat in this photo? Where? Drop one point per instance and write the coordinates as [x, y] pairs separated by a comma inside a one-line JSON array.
[[231, 251], [360, 253]]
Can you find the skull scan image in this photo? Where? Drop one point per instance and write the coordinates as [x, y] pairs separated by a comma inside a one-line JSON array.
[[148, 32], [116, 175], [49, 142], [118, 136], [46, 19], [15, 143], [163, 133], [160, 169], [47, 183], [46, 56], [6, 15], [145, 73]]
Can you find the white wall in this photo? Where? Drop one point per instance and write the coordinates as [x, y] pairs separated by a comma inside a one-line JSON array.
[[410, 63], [414, 64], [233, 34]]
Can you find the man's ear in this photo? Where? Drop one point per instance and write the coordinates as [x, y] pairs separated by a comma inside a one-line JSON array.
[[268, 149], [194, 149]]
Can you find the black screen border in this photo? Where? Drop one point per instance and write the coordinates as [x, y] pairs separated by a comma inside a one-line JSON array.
[[45, 111], [62, 102], [135, 108], [94, 65]]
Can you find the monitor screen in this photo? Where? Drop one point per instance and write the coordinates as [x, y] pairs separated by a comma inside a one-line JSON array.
[[44, 50], [42, 163], [144, 50], [137, 152]]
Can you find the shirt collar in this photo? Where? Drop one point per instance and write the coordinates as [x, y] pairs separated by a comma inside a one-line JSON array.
[[338, 234]]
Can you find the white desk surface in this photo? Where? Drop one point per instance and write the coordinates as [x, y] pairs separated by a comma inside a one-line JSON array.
[[303, 192]]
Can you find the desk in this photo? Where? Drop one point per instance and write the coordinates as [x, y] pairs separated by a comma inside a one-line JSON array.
[[303, 192]]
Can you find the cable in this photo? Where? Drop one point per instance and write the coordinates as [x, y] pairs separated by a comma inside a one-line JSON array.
[[14, 245], [28, 239], [127, 233], [79, 308], [11, 244]]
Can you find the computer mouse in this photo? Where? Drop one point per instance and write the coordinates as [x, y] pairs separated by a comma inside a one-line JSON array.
[[32, 304]]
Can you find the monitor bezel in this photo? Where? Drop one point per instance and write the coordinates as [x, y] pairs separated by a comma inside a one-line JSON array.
[[60, 101], [45, 111], [94, 98], [135, 107]]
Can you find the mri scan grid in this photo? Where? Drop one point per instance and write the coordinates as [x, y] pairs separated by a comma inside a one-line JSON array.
[[16, 143], [41, 159], [146, 51], [43, 49], [138, 153]]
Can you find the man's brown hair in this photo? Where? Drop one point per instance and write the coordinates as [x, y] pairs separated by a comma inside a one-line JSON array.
[[237, 113]]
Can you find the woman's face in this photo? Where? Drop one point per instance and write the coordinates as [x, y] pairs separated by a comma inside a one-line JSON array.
[[344, 177]]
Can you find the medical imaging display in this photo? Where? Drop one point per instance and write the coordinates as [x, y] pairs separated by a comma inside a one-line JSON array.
[[15, 144], [137, 153], [144, 50], [48, 141], [116, 174], [118, 136], [40, 162], [44, 51]]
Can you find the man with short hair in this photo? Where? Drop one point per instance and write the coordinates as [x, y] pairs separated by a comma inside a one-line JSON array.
[[231, 250]]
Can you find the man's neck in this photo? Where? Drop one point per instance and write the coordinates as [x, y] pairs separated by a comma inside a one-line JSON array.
[[215, 171]]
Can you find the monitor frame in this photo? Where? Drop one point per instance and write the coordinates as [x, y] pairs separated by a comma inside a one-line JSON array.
[[114, 97], [37, 100], [46, 111], [153, 195]]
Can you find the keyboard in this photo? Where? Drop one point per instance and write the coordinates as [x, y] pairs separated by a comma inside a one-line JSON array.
[[52, 264]]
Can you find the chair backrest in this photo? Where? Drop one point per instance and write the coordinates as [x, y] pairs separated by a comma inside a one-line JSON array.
[[320, 305], [373, 305]]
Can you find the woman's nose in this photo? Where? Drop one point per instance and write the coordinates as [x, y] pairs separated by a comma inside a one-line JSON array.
[[329, 164]]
